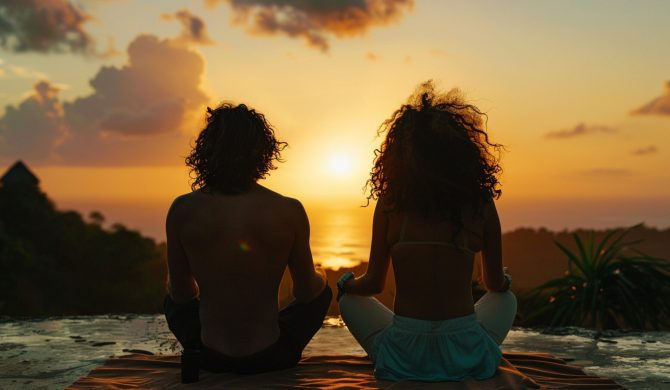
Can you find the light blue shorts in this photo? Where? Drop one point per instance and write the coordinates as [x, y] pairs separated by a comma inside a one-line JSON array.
[[435, 351], [449, 350]]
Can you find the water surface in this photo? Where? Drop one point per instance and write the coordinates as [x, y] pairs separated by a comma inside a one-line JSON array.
[[53, 353]]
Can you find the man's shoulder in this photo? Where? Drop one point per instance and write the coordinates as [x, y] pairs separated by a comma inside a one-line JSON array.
[[294, 208], [181, 204], [287, 203], [184, 200]]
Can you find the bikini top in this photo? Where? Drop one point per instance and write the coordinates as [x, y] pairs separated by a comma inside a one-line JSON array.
[[401, 241]]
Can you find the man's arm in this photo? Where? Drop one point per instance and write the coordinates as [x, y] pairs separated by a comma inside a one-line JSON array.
[[492, 266], [181, 284], [374, 280], [307, 282]]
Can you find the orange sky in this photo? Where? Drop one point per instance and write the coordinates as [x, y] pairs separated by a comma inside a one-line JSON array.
[[579, 100]]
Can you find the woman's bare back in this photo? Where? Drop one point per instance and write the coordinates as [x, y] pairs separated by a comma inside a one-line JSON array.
[[433, 264]]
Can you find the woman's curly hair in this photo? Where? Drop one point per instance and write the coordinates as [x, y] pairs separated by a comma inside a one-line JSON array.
[[436, 157], [236, 148]]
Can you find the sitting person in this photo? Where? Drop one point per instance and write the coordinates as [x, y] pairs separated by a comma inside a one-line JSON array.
[[229, 242], [435, 178]]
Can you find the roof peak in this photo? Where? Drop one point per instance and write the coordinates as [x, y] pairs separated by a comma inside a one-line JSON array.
[[19, 173]]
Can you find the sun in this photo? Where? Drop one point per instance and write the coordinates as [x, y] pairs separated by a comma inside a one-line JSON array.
[[339, 164]]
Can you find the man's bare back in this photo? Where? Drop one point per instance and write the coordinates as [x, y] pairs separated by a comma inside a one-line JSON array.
[[236, 248], [229, 243]]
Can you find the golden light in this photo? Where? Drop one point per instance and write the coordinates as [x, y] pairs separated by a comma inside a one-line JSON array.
[[340, 164], [337, 262]]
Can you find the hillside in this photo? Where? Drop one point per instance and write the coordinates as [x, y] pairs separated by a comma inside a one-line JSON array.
[[533, 257]]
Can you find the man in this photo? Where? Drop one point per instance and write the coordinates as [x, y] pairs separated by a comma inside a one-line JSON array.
[[229, 243]]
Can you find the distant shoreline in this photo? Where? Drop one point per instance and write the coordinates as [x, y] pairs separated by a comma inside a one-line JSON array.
[[148, 216]]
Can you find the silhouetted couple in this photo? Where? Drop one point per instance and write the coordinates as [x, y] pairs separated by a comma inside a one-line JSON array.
[[434, 179]]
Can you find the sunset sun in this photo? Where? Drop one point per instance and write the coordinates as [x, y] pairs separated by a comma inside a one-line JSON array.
[[339, 165], [259, 181]]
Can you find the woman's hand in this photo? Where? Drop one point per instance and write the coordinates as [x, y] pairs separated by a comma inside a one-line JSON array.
[[340, 284], [508, 280]]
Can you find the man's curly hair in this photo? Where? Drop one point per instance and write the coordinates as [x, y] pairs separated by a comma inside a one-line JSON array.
[[236, 148], [436, 157]]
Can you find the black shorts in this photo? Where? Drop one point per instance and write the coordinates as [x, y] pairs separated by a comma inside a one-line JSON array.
[[298, 323]]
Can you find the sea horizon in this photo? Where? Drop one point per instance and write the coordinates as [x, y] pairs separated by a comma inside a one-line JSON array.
[[555, 214]]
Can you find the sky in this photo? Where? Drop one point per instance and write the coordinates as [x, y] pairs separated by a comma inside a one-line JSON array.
[[101, 98]]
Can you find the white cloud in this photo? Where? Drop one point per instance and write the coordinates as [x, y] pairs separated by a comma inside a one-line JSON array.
[[136, 114]]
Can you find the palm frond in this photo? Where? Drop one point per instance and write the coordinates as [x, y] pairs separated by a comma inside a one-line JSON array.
[[612, 284]]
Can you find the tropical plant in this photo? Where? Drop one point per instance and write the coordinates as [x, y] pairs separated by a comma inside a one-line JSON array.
[[608, 284]]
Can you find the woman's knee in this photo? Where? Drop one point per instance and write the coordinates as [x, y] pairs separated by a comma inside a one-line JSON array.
[[509, 300], [347, 304], [350, 301], [506, 300]]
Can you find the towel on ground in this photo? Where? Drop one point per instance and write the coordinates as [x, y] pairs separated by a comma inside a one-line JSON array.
[[516, 371]]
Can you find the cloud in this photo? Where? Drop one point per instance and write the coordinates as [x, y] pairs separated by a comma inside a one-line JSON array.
[[645, 151], [149, 95], [658, 106], [14, 71], [580, 130], [43, 26], [111, 51], [607, 172], [136, 113], [193, 28], [36, 127], [315, 21]]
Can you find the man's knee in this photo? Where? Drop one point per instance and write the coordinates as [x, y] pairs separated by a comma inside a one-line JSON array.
[[190, 308], [183, 320], [326, 296], [322, 302]]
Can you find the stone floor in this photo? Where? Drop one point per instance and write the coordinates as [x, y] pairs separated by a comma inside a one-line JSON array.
[[52, 353]]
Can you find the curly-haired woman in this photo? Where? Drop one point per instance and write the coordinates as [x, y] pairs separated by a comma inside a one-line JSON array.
[[435, 181]]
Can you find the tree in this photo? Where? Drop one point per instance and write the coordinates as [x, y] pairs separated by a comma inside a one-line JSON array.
[[96, 218]]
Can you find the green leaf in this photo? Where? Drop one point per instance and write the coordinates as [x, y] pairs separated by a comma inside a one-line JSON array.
[[572, 258], [635, 286]]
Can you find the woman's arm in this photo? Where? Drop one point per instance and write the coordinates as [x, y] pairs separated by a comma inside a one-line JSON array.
[[374, 279], [492, 267]]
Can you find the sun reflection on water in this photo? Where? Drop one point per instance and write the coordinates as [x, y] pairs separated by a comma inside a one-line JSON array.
[[337, 262], [340, 237]]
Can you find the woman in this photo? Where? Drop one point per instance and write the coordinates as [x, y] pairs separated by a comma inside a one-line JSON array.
[[435, 179]]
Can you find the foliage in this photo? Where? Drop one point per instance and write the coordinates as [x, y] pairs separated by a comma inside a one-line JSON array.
[[54, 263], [608, 284]]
